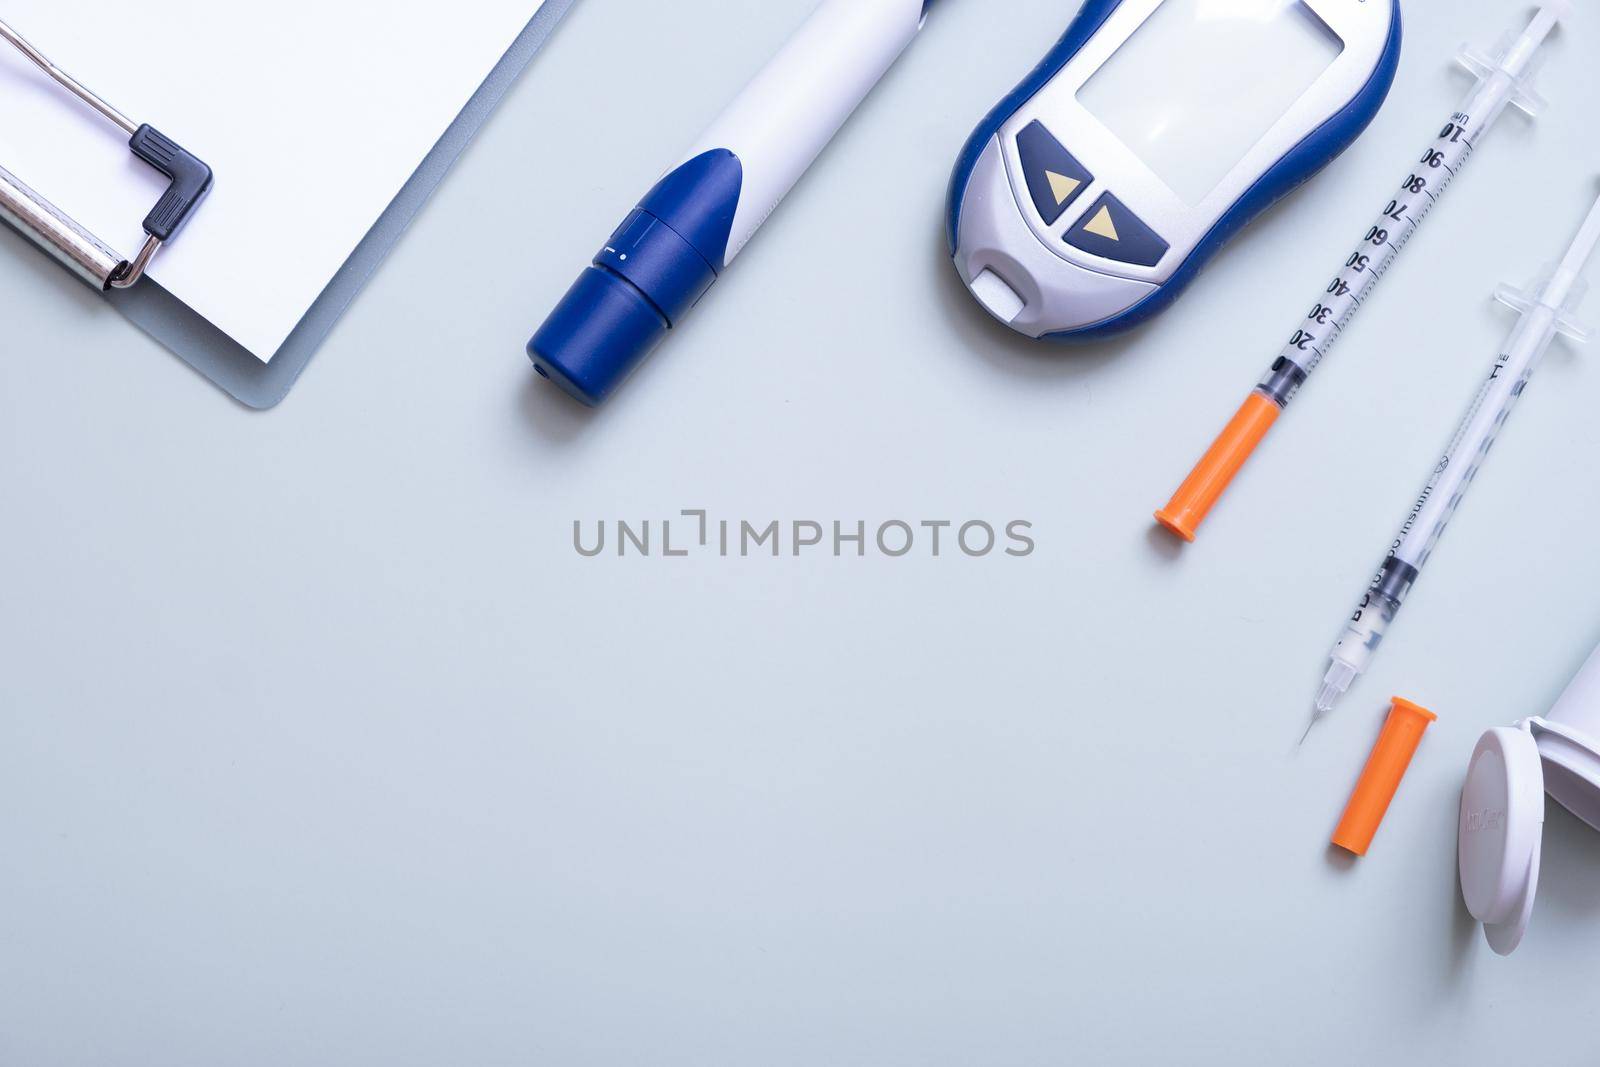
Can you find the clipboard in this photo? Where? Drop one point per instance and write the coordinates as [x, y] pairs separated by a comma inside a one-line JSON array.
[[192, 338]]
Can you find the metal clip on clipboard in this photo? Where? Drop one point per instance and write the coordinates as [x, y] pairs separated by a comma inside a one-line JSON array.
[[79, 250]]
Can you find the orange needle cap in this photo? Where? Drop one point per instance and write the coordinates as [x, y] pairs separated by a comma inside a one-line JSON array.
[[1210, 477], [1380, 779]]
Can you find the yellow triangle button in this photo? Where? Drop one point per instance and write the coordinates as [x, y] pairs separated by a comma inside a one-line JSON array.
[[1062, 186], [1102, 226]]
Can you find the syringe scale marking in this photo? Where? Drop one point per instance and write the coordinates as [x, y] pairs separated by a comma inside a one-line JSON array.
[[1406, 212], [1502, 80], [1546, 310]]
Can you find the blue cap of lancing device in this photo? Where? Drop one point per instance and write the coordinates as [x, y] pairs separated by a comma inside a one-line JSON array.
[[652, 271]]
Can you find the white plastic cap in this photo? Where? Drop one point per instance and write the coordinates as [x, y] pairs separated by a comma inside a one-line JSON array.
[[1500, 832]]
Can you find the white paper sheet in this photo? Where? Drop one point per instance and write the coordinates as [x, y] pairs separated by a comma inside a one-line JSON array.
[[312, 113]]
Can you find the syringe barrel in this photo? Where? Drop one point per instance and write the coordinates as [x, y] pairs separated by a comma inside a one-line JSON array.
[[1282, 380], [1395, 579], [1458, 467], [1366, 629]]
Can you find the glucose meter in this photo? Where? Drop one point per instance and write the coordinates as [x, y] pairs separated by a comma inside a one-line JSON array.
[[1151, 133]]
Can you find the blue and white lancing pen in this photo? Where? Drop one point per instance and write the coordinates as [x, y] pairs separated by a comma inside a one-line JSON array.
[[686, 230]]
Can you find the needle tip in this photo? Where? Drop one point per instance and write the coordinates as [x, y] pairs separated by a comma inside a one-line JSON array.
[[1309, 727]]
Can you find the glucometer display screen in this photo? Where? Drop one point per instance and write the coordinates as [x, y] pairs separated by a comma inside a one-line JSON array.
[[1202, 81]]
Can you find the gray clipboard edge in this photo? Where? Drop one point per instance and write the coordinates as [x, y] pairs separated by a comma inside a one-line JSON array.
[[255, 384]]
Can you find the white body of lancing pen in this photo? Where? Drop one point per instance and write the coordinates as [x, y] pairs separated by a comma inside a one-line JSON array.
[[686, 230]]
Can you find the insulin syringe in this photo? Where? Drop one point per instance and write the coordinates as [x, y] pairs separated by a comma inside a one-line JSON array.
[[1547, 309], [1502, 79]]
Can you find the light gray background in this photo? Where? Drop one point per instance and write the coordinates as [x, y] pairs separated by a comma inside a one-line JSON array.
[[322, 746]]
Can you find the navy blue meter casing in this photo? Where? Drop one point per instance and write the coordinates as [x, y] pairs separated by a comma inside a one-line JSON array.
[[1067, 223]]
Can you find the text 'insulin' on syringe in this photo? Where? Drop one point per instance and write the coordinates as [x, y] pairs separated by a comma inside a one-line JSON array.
[[1547, 309]]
